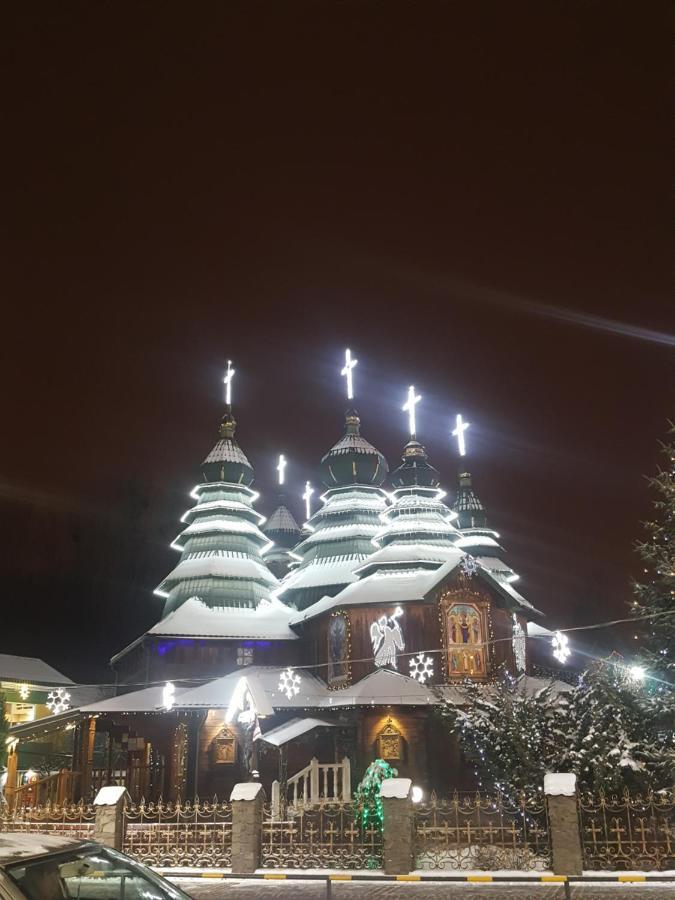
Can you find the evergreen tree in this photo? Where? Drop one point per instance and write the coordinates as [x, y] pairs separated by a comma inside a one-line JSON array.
[[654, 595], [367, 794]]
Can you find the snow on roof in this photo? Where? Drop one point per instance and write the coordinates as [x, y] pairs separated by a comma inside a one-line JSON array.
[[282, 734], [476, 540], [534, 630], [211, 524], [509, 589], [282, 519], [340, 532], [352, 443], [323, 572], [148, 699], [227, 450], [29, 669], [219, 564], [268, 621], [383, 688], [210, 506], [263, 684], [411, 553], [357, 503], [16, 846]]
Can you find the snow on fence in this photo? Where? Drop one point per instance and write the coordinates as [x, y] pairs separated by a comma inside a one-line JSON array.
[[481, 832], [628, 832]]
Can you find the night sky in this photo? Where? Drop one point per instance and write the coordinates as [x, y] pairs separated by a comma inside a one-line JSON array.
[[474, 197]]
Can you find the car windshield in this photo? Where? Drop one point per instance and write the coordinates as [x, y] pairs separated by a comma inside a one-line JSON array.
[[90, 873]]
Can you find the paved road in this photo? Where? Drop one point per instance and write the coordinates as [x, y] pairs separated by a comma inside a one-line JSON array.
[[303, 890]]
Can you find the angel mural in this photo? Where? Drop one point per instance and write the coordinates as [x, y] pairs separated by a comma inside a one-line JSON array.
[[387, 639]]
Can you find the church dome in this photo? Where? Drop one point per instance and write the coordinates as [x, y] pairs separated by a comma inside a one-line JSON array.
[[353, 460], [227, 462], [415, 470]]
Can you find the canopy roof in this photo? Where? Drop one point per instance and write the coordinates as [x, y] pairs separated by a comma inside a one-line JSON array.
[[292, 729]]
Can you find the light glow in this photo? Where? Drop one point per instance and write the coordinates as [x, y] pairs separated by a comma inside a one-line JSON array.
[[561, 647], [347, 372], [458, 432], [168, 695], [58, 701], [281, 468], [637, 673], [227, 381], [307, 497], [24, 691], [409, 407], [417, 794]]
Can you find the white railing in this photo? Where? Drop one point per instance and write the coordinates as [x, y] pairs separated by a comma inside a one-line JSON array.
[[317, 783]]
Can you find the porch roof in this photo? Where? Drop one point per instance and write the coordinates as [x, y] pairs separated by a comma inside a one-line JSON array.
[[146, 700], [294, 728]]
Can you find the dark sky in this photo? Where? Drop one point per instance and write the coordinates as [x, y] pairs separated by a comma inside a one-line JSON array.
[[473, 196]]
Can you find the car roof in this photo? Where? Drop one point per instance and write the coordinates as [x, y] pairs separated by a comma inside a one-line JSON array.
[[16, 846]]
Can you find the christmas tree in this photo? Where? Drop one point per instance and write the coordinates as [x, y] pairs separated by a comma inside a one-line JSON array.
[[655, 593], [367, 794]]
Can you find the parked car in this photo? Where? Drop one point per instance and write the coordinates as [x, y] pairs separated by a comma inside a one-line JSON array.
[[50, 867]]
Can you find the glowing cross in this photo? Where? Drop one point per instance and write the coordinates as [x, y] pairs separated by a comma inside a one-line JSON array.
[[459, 434], [409, 407], [227, 381], [307, 496], [347, 372], [281, 467]]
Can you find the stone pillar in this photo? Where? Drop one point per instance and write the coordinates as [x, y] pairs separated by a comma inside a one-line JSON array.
[[109, 823], [12, 775], [247, 816], [396, 794], [346, 779], [563, 822]]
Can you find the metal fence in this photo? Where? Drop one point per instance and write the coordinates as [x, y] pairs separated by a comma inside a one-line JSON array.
[[479, 832], [329, 836], [179, 833], [628, 832], [75, 820]]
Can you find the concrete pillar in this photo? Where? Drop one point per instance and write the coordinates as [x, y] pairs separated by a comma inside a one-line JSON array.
[[399, 856], [346, 779], [109, 822], [247, 801], [563, 822]]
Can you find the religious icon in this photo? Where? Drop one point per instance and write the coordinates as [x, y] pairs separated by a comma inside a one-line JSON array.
[[466, 641], [387, 638]]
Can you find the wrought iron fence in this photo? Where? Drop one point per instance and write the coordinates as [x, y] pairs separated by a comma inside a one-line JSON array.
[[74, 820], [328, 836], [197, 833], [628, 832], [479, 832]]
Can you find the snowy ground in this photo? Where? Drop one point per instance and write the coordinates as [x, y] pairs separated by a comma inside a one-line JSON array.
[[304, 890]]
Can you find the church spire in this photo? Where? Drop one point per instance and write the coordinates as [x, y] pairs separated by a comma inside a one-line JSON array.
[[470, 511]]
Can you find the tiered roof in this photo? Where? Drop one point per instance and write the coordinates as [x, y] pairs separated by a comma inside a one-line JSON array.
[[222, 547], [284, 531], [339, 535]]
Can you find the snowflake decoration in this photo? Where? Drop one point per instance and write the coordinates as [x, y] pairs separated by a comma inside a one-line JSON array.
[[289, 683], [468, 565], [421, 667], [561, 647], [24, 691], [58, 701]]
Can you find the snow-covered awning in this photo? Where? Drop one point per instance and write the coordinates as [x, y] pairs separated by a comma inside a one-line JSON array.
[[294, 728]]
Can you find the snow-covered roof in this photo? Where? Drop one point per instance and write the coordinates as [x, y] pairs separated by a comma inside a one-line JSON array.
[[214, 524], [352, 443], [268, 621], [509, 589], [263, 683], [476, 540], [220, 564], [358, 502], [339, 532], [282, 519], [383, 688], [323, 572], [148, 699], [214, 506], [416, 525], [227, 450], [29, 669], [535, 630], [411, 553], [16, 846], [292, 729]]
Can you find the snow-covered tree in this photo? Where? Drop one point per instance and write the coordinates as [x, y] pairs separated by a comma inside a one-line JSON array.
[[654, 594]]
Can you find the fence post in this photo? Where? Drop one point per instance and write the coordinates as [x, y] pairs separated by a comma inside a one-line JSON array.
[[247, 817], [109, 822], [396, 794], [276, 800], [563, 820], [346, 779]]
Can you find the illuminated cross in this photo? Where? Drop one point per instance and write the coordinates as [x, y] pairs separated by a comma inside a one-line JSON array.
[[409, 407], [227, 381], [347, 372], [281, 467], [307, 497], [459, 434]]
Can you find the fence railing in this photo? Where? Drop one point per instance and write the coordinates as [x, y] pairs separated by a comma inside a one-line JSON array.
[[179, 833], [316, 783], [480, 832], [628, 832], [328, 836], [75, 820]]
